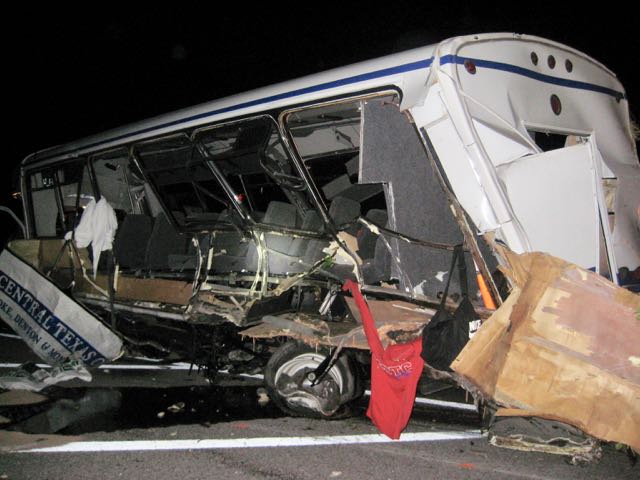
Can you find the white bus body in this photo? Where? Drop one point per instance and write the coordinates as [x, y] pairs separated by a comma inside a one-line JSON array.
[[372, 171], [479, 126]]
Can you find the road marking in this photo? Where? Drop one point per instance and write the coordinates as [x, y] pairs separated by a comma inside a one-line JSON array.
[[264, 442]]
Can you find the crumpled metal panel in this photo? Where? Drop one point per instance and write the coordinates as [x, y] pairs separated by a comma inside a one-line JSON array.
[[563, 346]]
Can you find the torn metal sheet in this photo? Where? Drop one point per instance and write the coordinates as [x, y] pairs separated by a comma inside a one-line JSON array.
[[396, 321], [309, 329], [513, 429], [563, 347], [54, 326], [209, 304], [392, 153]]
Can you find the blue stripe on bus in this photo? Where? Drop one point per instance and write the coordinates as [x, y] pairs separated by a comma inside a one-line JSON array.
[[505, 67], [408, 67]]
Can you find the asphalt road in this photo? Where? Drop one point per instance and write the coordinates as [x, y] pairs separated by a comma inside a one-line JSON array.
[[173, 427]]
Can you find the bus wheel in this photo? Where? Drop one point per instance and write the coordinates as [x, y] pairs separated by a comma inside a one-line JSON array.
[[289, 385]]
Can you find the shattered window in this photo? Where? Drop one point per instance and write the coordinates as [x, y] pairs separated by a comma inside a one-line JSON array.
[[183, 179], [251, 158], [58, 196], [328, 140], [118, 183]]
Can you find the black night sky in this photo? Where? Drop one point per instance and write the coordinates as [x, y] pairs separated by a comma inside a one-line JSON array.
[[77, 72]]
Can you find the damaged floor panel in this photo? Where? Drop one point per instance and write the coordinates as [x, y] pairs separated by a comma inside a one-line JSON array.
[[398, 321], [564, 346]]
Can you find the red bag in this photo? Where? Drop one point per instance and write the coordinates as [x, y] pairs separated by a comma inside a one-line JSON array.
[[394, 374]]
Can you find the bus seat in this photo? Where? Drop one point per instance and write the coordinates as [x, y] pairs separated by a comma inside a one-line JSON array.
[[278, 214], [309, 250], [131, 240], [344, 210], [164, 240], [229, 249], [366, 238], [378, 268]]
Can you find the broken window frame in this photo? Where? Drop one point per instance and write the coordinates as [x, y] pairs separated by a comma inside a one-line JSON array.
[[288, 137], [244, 214], [247, 213], [161, 198], [392, 96], [605, 262], [135, 208], [30, 205]]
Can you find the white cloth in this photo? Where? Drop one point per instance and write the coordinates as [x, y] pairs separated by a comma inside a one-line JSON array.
[[97, 228]]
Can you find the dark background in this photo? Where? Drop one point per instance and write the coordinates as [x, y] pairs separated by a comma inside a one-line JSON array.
[[77, 72]]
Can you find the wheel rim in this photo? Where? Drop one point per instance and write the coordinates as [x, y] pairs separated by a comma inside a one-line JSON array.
[[309, 361]]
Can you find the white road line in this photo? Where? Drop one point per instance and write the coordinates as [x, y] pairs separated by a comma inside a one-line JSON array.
[[264, 442]]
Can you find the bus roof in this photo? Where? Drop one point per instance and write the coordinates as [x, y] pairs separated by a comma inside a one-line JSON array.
[[390, 70], [405, 71]]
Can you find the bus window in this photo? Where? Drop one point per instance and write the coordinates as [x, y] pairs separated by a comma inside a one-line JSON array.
[[327, 139], [58, 196], [183, 180], [122, 184], [251, 157]]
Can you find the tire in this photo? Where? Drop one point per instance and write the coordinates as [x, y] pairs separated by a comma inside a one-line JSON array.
[[288, 386]]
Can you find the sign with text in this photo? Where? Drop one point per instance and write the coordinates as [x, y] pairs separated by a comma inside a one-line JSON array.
[[54, 326]]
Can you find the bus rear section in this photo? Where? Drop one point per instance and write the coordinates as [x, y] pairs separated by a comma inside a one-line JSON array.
[[535, 142]]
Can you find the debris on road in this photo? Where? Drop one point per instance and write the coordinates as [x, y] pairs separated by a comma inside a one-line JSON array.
[[31, 377], [65, 411], [533, 434], [561, 347], [176, 407]]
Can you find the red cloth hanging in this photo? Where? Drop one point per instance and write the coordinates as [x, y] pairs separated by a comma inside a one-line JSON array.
[[394, 374]]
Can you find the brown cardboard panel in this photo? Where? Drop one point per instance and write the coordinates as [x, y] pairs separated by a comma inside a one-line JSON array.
[[564, 346], [142, 289]]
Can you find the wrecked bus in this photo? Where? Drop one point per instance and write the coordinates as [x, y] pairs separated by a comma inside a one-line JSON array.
[[239, 220]]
